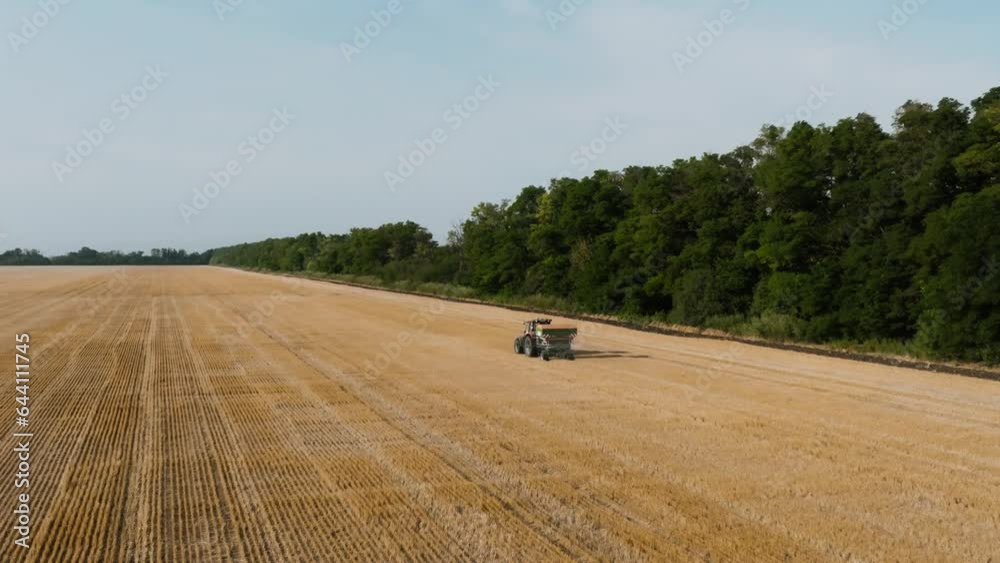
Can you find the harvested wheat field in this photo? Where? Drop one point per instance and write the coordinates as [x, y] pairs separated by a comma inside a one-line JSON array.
[[202, 414]]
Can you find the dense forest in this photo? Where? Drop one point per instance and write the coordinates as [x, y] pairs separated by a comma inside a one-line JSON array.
[[842, 233], [90, 257]]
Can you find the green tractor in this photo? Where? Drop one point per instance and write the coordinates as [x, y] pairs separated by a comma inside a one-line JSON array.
[[541, 339]]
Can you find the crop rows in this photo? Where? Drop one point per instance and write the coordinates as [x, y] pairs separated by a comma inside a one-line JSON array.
[[199, 414]]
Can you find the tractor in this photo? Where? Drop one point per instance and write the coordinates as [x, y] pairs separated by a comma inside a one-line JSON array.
[[541, 339]]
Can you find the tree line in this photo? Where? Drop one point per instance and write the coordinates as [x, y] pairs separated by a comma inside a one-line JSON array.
[[90, 257], [839, 233]]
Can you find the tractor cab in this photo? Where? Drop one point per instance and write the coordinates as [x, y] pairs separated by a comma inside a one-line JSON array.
[[530, 327]]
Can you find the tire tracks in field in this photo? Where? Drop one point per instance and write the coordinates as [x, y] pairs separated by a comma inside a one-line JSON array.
[[844, 387], [68, 291], [851, 433], [846, 432], [54, 352]]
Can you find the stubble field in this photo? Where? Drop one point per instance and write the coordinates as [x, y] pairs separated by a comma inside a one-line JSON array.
[[202, 414]]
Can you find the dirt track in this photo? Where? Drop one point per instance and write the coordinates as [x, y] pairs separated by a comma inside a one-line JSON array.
[[203, 414]]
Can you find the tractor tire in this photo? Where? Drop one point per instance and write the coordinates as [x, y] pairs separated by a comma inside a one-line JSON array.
[[518, 346], [529, 348]]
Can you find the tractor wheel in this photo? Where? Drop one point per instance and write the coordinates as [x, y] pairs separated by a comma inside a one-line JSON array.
[[529, 348], [518, 347]]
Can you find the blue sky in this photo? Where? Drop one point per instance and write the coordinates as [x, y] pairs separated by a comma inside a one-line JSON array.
[[557, 86]]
